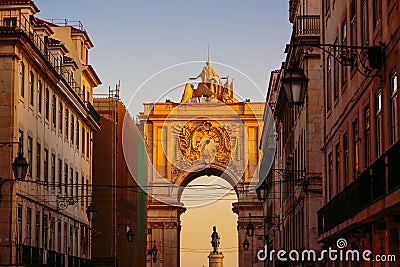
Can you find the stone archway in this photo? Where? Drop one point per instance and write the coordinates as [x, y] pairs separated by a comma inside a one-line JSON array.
[[188, 140]]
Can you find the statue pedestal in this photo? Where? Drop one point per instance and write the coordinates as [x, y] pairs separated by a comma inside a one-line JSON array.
[[216, 259]]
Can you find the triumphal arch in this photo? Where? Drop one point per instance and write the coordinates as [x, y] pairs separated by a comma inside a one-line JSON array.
[[209, 132]]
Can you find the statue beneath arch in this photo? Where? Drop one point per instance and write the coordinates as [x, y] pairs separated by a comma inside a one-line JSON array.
[[215, 240]]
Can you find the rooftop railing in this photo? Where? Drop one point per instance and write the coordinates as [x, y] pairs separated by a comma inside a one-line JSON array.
[[17, 20]]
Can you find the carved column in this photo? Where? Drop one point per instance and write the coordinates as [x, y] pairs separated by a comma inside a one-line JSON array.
[[164, 226], [247, 258]]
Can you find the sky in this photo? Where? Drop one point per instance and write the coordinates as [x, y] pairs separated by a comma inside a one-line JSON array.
[[135, 39], [154, 47]]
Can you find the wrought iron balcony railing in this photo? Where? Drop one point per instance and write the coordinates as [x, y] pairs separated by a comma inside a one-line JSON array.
[[307, 25], [370, 186], [34, 256]]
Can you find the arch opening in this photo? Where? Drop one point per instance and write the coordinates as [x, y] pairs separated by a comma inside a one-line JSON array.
[[219, 189], [198, 220]]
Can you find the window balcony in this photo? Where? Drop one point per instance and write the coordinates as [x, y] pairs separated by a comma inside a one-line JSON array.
[[369, 187], [307, 26]]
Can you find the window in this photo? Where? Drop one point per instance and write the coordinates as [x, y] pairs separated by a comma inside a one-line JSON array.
[[76, 242], [19, 219], [71, 239], [46, 166], [22, 79], [54, 112], [60, 175], [47, 103], [337, 152], [65, 237], [394, 108], [21, 137], [66, 179], [355, 149], [77, 134], [83, 199], [10, 22], [45, 231], [87, 144], [84, 93], [367, 142], [364, 22], [353, 22], [83, 140], [378, 122], [28, 226], [87, 192], [30, 146], [52, 233], [66, 122], [38, 158], [37, 229], [76, 185], [72, 128], [330, 176], [59, 236], [71, 182], [377, 12], [53, 171], [40, 96], [31, 88], [83, 240], [336, 72], [60, 116], [328, 83], [346, 159], [344, 42]]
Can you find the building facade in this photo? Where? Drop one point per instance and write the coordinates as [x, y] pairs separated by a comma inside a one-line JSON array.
[[361, 136], [46, 86], [294, 182], [119, 165]]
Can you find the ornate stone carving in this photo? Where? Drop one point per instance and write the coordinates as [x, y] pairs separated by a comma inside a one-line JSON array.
[[164, 225], [206, 141]]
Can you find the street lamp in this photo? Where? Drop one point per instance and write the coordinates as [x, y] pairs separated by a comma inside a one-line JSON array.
[[295, 83], [154, 252], [262, 191], [130, 235], [246, 244], [250, 229], [91, 212], [19, 166]]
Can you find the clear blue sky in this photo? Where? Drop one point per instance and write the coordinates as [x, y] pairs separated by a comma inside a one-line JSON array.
[[135, 39]]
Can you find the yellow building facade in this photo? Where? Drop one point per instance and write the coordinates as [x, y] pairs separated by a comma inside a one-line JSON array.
[[46, 89]]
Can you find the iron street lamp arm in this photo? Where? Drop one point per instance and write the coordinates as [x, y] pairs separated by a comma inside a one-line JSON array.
[[350, 55]]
